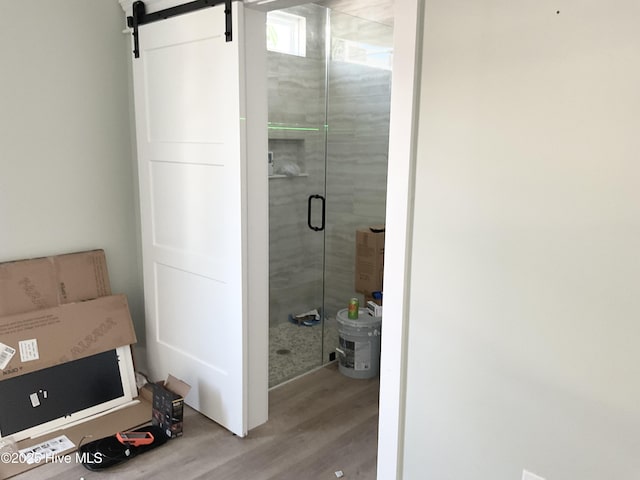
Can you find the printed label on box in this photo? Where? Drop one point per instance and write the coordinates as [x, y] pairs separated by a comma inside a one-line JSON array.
[[29, 350], [6, 354]]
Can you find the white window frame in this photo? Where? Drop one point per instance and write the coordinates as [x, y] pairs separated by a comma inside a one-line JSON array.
[[349, 51], [296, 28]]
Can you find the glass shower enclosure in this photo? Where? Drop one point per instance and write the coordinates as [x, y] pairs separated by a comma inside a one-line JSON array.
[[329, 80]]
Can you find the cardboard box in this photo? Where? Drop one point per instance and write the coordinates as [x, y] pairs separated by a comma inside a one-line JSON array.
[[374, 309], [41, 326], [43, 338], [168, 405], [369, 259], [46, 282]]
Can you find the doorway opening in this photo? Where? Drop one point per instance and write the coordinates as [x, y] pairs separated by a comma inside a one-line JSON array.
[[329, 87]]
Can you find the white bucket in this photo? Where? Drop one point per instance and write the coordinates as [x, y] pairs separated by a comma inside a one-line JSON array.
[[359, 350]]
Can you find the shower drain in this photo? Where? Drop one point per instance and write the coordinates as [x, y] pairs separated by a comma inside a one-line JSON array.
[[283, 351]]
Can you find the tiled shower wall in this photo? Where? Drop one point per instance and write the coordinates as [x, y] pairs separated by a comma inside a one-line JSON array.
[[357, 144]]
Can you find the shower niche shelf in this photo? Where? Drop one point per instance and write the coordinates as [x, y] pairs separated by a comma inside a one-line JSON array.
[[288, 156]]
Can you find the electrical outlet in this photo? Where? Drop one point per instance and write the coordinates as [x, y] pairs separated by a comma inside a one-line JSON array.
[[530, 476]]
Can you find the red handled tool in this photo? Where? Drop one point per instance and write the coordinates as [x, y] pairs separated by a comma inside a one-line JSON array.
[[135, 439]]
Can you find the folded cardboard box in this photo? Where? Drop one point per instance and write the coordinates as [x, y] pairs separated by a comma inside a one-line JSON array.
[[45, 282], [43, 338], [54, 311]]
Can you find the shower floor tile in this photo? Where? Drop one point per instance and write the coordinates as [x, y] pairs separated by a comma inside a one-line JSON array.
[[294, 350]]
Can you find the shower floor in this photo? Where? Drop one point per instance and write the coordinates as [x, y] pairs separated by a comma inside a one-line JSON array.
[[294, 350]]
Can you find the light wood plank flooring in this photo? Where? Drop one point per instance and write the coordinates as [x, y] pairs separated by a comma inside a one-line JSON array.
[[318, 424]]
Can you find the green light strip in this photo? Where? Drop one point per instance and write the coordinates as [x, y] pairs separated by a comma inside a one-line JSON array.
[[303, 129]]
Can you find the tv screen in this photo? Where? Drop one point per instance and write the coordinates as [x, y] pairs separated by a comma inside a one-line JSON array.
[[60, 392]]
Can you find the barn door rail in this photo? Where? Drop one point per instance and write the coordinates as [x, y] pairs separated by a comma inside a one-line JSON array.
[[141, 17]]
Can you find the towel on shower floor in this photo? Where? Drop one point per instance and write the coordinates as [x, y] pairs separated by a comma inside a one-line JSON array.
[[308, 319]]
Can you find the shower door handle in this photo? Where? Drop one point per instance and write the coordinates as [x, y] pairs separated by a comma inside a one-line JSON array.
[[310, 201]]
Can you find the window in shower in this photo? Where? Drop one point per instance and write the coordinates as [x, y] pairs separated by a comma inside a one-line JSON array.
[[286, 33], [361, 53]]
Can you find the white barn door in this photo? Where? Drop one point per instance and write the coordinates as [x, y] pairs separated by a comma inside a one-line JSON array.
[[190, 104]]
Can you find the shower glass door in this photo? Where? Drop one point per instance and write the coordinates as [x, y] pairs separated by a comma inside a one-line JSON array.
[[296, 60], [329, 95], [359, 98]]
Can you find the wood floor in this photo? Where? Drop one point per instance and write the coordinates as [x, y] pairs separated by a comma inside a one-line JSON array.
[[318, 424]]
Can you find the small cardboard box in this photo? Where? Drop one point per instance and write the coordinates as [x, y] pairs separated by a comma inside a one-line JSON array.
[[168, 405], [374, 309], [369, 259], [33, 284]]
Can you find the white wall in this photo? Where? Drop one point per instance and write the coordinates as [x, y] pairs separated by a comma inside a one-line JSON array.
[[66, 178], [525, 286]]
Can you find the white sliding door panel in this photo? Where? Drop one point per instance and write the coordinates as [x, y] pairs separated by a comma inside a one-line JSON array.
[[200, 299], [183, 219], [190, 124], [183, 86]]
